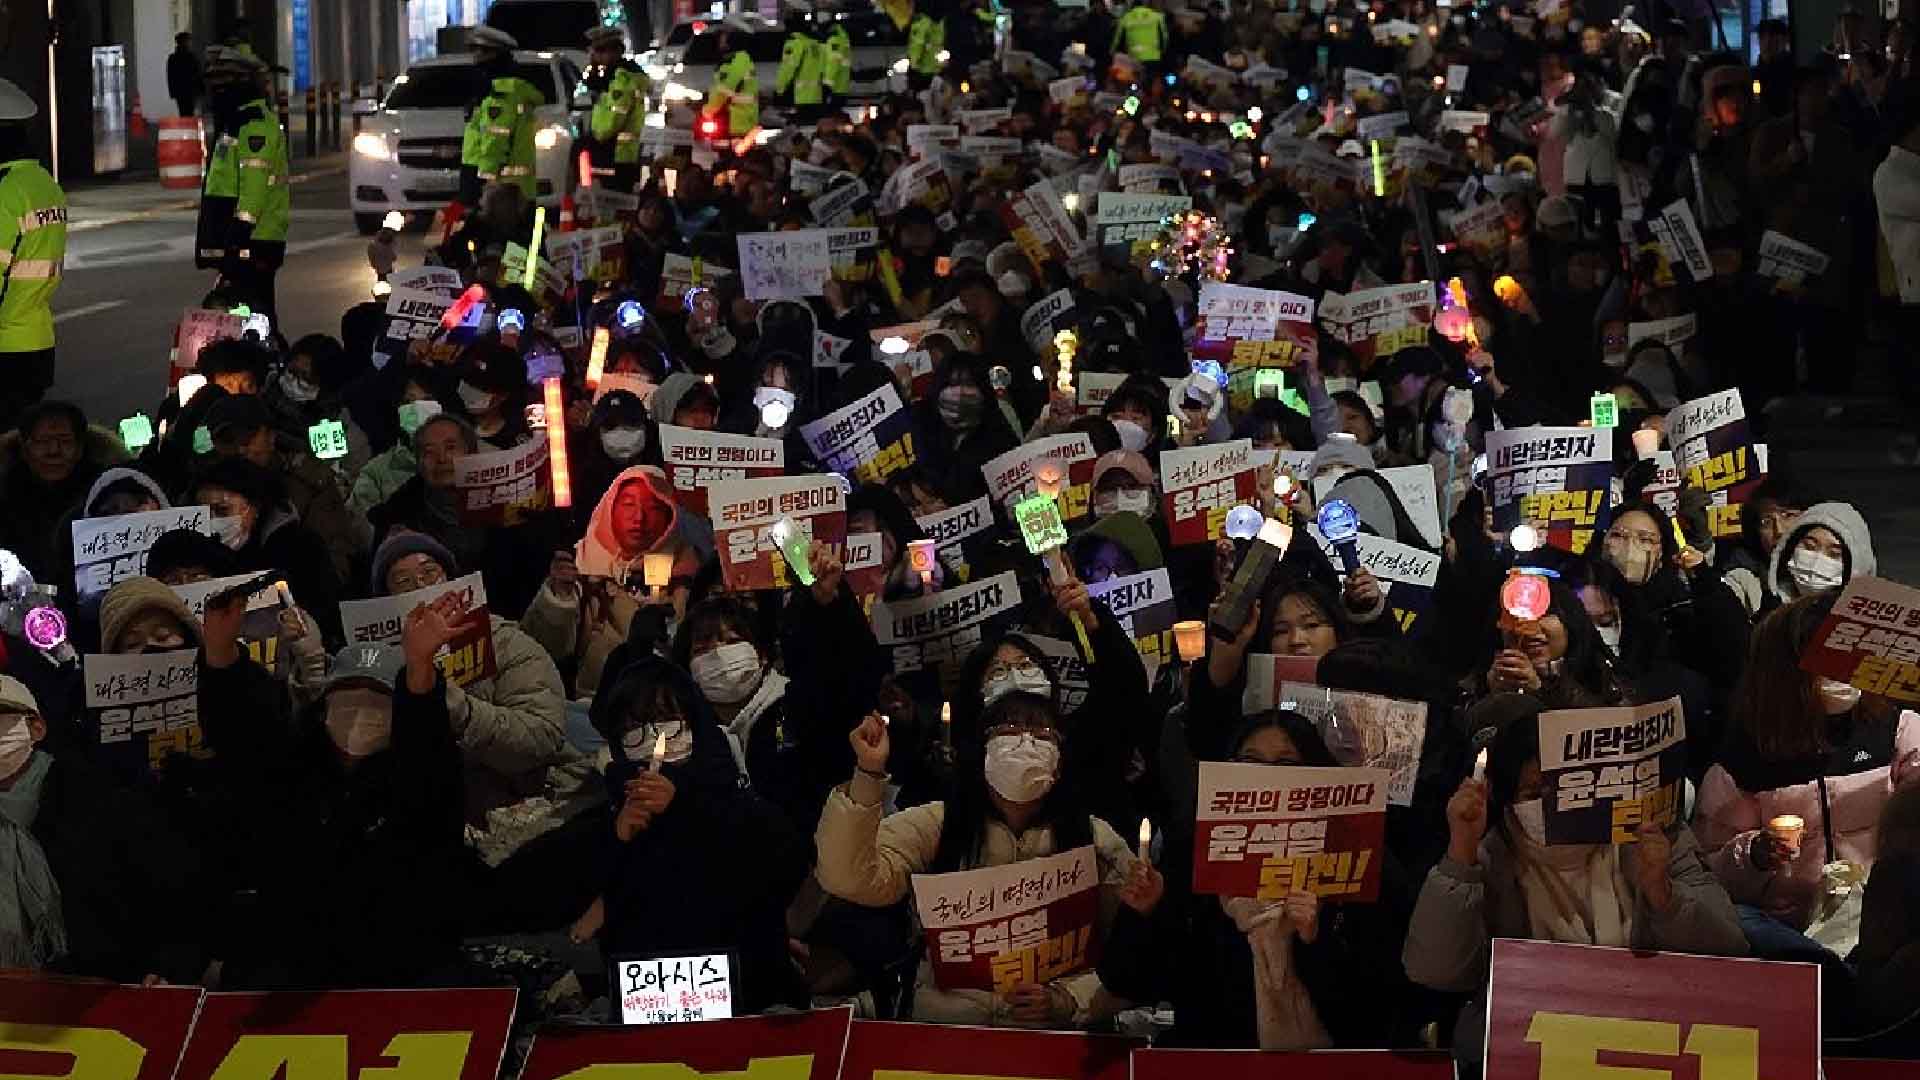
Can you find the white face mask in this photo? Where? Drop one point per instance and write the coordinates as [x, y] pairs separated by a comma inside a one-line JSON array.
[[1614, 359], [637, 745], [1815, 571], [1021, 679], [360, 730], [728, 674], [1132, 436], [1836, 697], [1531, 816], [231, 531], [775, 407], [1610, 636], [1113, 502], [296, 388], [623, 444], [473, 398], [1020, 768], [16, 746]]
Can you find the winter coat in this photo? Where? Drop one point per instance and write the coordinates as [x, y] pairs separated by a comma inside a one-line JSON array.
[[1745, 791], [1846, 523], [35, 512], [1461, 910], [834, 668], [314, 492], [512, 732], [1814, 201], [282, 542], [1887, 961], [384, 474], [512, 559]]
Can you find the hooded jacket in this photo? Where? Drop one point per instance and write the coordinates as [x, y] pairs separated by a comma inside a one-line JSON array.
[[1130, 533], [733, 860], [666, 399], [1846, 523], [115, 475], [30, 525]]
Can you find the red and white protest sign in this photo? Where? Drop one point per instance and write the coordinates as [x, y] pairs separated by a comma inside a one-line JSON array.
[[1713, 447], [881, 1050], [1268, 675], [1568, 1010], [1021, 924], [743, 515], [503, 487], [1871, 639], [85, 1028], [939, 629], [866, 574], [1376, 323], [1266, 831], [1202, 483], [199, 327], [790, 1046], [467, 657], [1247, 329], [695, 460], [1011, 476], [447, 1034]]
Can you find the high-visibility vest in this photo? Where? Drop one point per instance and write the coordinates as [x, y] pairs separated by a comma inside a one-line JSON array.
[[498, 140], [261, 197], [839, 60], [1143, 32], [620, 112], [736, 87], [925, 39], [803, 67], [33, 249]]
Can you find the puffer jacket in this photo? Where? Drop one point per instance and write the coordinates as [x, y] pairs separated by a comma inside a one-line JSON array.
[[30, 526], [315, 494], [384, 474], [869, 859], [1743, 792], [1896, 193], [1846, 523]]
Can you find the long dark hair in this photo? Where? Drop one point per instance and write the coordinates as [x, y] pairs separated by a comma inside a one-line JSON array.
[[1512, 749], [1643, 637], [1587, 676], [967, 701], [1775, 705], [967, 809], [1297, 728]]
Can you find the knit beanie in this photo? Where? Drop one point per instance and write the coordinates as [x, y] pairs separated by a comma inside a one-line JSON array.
[[398, 546], [126, 601]]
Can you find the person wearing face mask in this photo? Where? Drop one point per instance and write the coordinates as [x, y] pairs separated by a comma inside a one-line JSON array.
[[958, 428], [679, 801], [92, 864], [1769, 514], [1138, 410], [1119, 544], [619, 435], [1706, 627], [492, 391], [1827, 546], [389, 469], [1123, 481], [241, 426], [252, 517], [1500, 879], [1808, 746], [685, 400], [1011, 803], [1559, 655]]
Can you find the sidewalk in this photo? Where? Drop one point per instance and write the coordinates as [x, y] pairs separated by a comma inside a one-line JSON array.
[[98, 202]]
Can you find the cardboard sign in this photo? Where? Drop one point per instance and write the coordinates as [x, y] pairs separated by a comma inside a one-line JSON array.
[[1559, 1010], [1556, 479], [1093, 388], [1048, 316], [1201, 484], [885, 1050], [469, 656], [1871, 639], [1376, 323], [695, 460], [1000, 927], [784, 265], [1147, 179], [789, 1046], [1072, 679], [1146, 608], [1788, 261], [1265, 831], [942, 628], [199, 328], [1365, 730], [1481, 229], [1406, 574], [1127, 219], [868, 440], [950, 529], [1679, 236], [866, 575], [109, 550], [444, 280], [143, 707], [1247, 330], [448, 1034], [1608, 770], [1672, 333], [1664, 489], [1010, 476], [837, 206], [259, 630], [1267, 673], [675, 990], [678, 273], [503, 487], [1713, 448], [87, 1028], [743, 515]]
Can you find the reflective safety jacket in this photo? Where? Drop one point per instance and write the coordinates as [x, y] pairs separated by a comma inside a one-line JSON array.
[[498, 141], [620, 112], [1142, 34], [244, 196], [33, 248], [736, 88], [925, 38], [803, 69], [839, 60]]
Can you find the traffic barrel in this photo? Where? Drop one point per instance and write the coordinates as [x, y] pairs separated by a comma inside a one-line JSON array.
[[182, 152]]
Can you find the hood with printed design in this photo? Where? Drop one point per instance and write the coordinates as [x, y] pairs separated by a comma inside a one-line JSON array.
[[1845, 523], [598, 554]]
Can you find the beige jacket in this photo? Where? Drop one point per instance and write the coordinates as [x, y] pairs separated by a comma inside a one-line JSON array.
[[870, 860]]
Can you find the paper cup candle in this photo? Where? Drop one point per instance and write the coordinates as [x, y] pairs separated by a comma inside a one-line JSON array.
[[656, 569], [1190, 637], [1049, 478], [920, 556], [1646, 442], [793, 542], [1340, 524], [1786, 828]]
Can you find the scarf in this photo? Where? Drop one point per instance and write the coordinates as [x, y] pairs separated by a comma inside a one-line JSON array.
[[1283, 1009], [33, 928], [1575, 893]]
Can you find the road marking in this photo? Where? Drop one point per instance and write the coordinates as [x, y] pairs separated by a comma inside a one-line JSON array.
[[323, 241], [90, 309], [192, 203]]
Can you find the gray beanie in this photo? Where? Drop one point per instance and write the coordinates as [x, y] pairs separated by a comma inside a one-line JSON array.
[[398, 546]]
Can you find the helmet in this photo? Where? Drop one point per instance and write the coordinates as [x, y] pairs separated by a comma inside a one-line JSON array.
[[487, 37], [15, 105]]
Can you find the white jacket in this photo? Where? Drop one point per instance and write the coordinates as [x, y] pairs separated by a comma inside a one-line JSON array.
[[1896, 189]]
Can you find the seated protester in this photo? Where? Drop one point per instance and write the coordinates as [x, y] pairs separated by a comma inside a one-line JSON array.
[[249, 508], [311, 388], [917, 491], [241, 427], [95, 883], [387, 471], [774, 402], [1706, 629], [1826, 547], [1888, 982], [685, 400], [679, 802], [493, 394], [354, 834], [1285, 974], [1273, 426], [1137, 408], [579, 622], [522, 777], [186, 556], [1561, 656], [1500, 879], [872, 508], [1769, 514], [1011, 803], [47, 464], [958, 428], [1806, 745], [117, 490], [1120, 543]]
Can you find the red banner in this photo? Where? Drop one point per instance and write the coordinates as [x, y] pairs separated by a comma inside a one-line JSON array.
[[503, 487], [1317, 1065], [1871, 639], [744, 515], [442, 1033], [886, 1051], [1568, 1010], [79, 1028], [1264, 832], [1202, 483], [795, 1046]]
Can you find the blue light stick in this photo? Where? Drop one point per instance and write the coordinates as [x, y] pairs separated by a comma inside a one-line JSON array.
[[1340, 523]]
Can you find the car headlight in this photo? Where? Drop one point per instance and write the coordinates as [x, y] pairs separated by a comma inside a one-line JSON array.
[[900, 67], [679, 69], [372, 144], [681, 92], [548, 137]]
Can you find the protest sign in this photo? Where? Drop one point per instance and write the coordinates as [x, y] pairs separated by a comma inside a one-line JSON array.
[[1610, 769], [1247, 330], [806, 178], [974, 121], [951, 528], [1147, 179], [920, 183], [92, 1029], [1376, 323], [469, 656], [695, 460], [678, 273], [1011, 476], [865, 573], [199, 328], [1021, 924], [1267, 673], [1406, 574], [1465, 121], [640, 386], [1068, 669], [1048, 316], [868, 440], [784, 265], [109, 550], [1672, 333], [143, 707], [1713, 449], [1420, 162], [1294, 1065], [1556, 479], [941, 628], [1201, 484], [598, 203], [890, 1050], [1788, 261], [1481, 229], [1093, 388], [837, 206], [412, 315], [1380, 125], [1679, 237], [675, 989], [1365, 730], [787, 1046], [547, 282], [1664, 489], [1128, 219], [1871, 639], [1412, 484], [259, 629], [1146, 608], [922, 139], [446, 1034], [503, 487], [444, 280], [1559, 1010], [1265, 832], [1321, 172], [743, 515]]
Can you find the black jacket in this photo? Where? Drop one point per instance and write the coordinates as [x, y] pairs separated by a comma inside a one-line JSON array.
[[512, 560], [799, 751]]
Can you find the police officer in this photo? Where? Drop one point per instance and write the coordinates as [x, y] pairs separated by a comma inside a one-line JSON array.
[[619, 90], [242, 230], [736, 89], [497, 145], [1142, 34], [926, 40], [803, 69], [33, 245], [839, 59]]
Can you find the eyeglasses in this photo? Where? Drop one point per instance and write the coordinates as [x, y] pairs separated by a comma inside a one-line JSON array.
[[1042, 734], [1024, 667], [1638, 539], [51, 443]]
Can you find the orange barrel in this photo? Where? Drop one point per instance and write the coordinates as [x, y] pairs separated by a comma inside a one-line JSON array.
[[182, 152]]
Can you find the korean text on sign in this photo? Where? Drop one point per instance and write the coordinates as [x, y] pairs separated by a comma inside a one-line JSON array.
[[503, 487], [1406, 574], [1608, 770], [1203, 483], [695, 460], [744, 513], [1013, 476], [675, 990], [109, 550], [942, 628], [868, 440], [1713, 448], [1559, 480], [259, 629], [1364, 730], [1145, 606], [1265, 832], [144, 706], [1020, 924], [1871, 639], [467, 657]]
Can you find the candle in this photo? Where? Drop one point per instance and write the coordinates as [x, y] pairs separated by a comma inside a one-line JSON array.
[[920, 557], [1146, 838], [1190, 637], [946, 714], [1480, 766], [1049, 478], [659, 748], [1786, 828], [189, 386], [1646, 443], [656, 569]]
